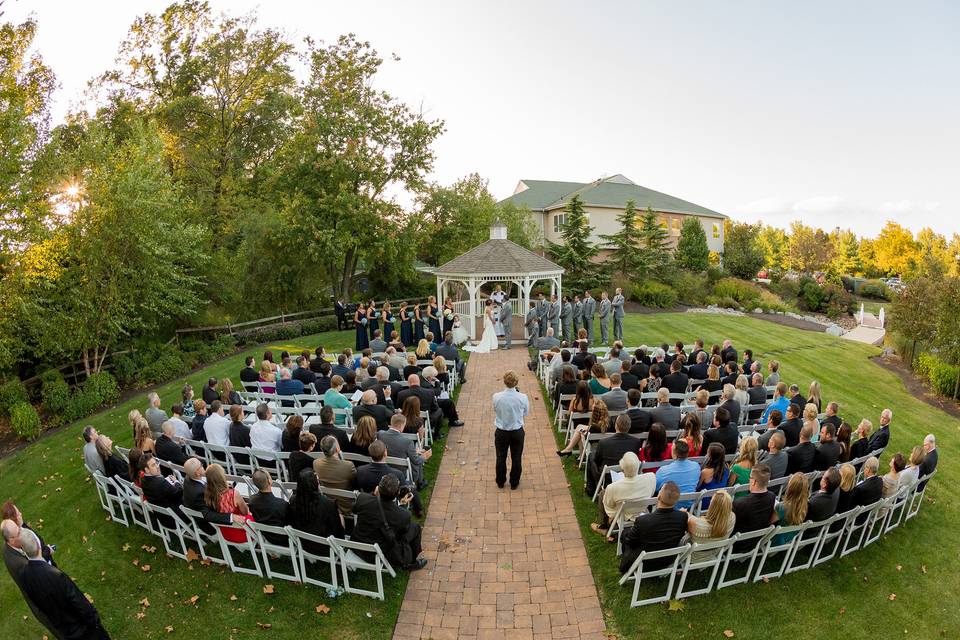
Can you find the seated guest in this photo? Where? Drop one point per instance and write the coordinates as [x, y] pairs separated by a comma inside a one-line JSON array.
[[411, 368], [155, 415], [167, 448], [449, 352], [447, 406], [395, 361], [662, 529], [848, 480], [579, 360], [327, 427], [755, 510], [633, 486], [398, 446], [722, 432], [373, 510], [665, 413], [216, 427], [831, 415], [290, 440], [367, 375], [930, 459], [676, 381], [615, 398], [702, 408], [757, 393], [911, 474], [713, 382], [779, 403], [566, 385], [730, 373], [828, 449], [428, 401], [747, 361], [312, 512], [810, 417], [133, 465], [823, 503], [301, 458], [411, 413], [364, 434], [745, 461], [181, 428], [716, 524], [656, 448], [227, 395], [264, 434], [368, 407], [861, 446], [266, 507], [304, 374], [334, 472], [870, 489], [792, 425], [349, 384], [639, 419], [698, 371], [220, 497], [194, 486], [423, 351], [607, 452], [729, 402], [322, 383], [381, 385], [690, 432], [90, 456], [599, 382], [113, 464], [368, 475], [843, 439], [162, 492], [774, 378], [268, 377], [685, 473], [775, 457], [199, 417], [800, 458], [443, 374], [613, 363], [773, 426], [791, 510], [249, 373], [796, 397], [287, 386], [209, 393], [341, 367], [627, 379], [714, 473], [547, 342], [239, 432], [142, 436], [378, 344]]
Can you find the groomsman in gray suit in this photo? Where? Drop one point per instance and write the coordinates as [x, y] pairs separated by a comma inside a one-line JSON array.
[[533, 327], [618, 314], [506, 320], [604, 318], [589, 310], [554, 315], [566, 316], [577, 316], [542, 311]]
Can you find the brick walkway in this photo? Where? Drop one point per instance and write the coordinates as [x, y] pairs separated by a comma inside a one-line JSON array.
[[495, 567]]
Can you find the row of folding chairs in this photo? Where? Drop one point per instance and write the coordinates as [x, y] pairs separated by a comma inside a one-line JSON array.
[[270, 552], [771, 552]]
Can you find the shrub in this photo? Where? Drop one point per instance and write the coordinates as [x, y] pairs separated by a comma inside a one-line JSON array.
[[12, 392], [714, 274], [168, 364], [82, 403], [24, 421], [54, 392], [745, 293], [942, 376], [125, 370], [654, 294], [320, 325], [691, 288], [103, 387], [875, 289]]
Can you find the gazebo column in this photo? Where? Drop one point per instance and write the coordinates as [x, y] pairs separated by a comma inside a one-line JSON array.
[[472, 293], [440, 285], [525, 289]]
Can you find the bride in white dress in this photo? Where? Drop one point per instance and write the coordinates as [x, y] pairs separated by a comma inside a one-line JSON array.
[[488, 342]]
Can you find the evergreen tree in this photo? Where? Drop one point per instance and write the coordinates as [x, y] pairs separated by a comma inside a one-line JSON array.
[[576, 253], [692, 251], [743, 256], [625, 244], [654, 254]]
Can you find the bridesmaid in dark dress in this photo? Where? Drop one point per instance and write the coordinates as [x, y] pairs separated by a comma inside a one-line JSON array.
[[387, 323], [373, 318], [360, 319], [418, 320], [447, 321], [433, 319], [406, 324]]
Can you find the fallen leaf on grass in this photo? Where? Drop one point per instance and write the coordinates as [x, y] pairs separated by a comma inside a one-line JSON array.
[[88, 597], [145, 568], [923, 568], [140, 615], [233, 598], [192, 555], [899, 567], [193, 599], [267, 588], [125, 547], [322, 608], [168, 629], [145, 602], [728, 633], [892, 597], [675, 605], [264, 625], [843, 610]]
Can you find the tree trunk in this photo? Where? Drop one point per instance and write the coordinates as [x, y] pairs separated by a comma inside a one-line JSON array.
[[346, 275], [956, 384], [86, 362]]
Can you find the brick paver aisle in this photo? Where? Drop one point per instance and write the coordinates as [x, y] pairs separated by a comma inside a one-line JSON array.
[[502, 563]]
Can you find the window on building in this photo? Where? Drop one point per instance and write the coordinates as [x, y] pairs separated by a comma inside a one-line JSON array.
[[676, 223], [716, 230], [559, 219]]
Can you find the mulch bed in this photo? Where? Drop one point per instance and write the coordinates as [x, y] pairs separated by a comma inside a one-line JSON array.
[[916, 386]]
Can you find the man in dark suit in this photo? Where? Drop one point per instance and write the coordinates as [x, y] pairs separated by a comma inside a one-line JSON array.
[[792, 425], [665, 413], [341, 367], [368, 407], [639, 419], [249, 373], [167, 448], [870, 490], [448, 351], [797, 398], [428, 401], [327, 427], [747, 362], [823, 504], [627, 379], [731, 405], [699, 371], [609, 451], [192, 498], [728, 353], [318, 360], [831, 416], [929, 464], [773, 426], [800, 457], [371, 512], [159, 491], [757, 392], [676, 381], [340, 310], [15, 561], [209, 393], [721, 432], [828, 449], [304, 374], [579, 359], [56, 595], [662, 529], [755, 509], [882, 436], [385, 390], [265, 507], [641, 364]]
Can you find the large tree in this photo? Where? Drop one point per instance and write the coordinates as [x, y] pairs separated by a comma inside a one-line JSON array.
[[846, 254], [773, 243], [654, 255], [625, 244], [692, 251], [576, 253], [895, 250], [742, 254], [947, 330], [354, 145], [808, 249]]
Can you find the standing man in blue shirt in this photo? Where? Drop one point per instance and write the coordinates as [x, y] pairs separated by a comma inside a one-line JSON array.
[[510, 407]]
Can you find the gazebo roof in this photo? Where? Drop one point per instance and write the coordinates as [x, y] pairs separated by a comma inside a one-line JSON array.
[[499, 257]]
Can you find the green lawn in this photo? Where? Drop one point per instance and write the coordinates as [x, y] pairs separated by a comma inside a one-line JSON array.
[[49, 484], [853, 593]]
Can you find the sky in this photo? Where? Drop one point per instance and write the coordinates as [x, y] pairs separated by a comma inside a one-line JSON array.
[[835, 113]]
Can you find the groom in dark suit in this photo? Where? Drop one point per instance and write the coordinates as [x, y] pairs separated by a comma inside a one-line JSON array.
[[506, 320]]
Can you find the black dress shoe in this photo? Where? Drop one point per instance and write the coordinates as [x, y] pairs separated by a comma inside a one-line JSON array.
[[456, 423], [514, 486], [564, 454], [500, 485], [416, 565], [423, 484]]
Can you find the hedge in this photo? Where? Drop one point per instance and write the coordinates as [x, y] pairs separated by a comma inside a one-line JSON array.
[[54, 393], [942, 376], [24, 421], [654, 294], [12, 393]]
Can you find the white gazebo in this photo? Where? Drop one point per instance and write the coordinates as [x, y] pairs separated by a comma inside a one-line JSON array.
[[496, 260]]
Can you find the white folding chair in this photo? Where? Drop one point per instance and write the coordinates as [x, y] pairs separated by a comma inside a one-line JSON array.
[[112, 498], [703, 556], [203, 538], [636, 573], [350, 560], [134, 497], [854, 535], [561, 411], [172, 530], [248, 546], [916, 498], [898, 508], [347, 416], [802, 554], [307, 557], [239, 461], [876, 523], [275, 543], [832, 537], [750, 542], [777, 545]]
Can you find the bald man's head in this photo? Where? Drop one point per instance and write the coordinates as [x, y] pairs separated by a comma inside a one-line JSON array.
[[369, 397], [413, 380], [11, 533], [193, 468], [29, 544]]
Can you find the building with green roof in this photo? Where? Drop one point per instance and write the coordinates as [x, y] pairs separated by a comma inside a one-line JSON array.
[[604, 200]]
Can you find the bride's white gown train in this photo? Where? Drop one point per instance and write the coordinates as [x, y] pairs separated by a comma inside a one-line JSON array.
[[488, 342]]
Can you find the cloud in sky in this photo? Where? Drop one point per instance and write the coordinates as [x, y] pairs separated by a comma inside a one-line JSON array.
[[827, 212]]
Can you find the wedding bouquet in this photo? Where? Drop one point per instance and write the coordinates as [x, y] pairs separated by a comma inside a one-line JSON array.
[[448, 313], [376, 314], [363, 321], [409, 315]]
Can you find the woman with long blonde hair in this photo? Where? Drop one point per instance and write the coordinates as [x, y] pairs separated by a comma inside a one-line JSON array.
[[423, 350], [814, 395], [363, 436], [792, 509], [716, 524], [744, 463], [142, 438]]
